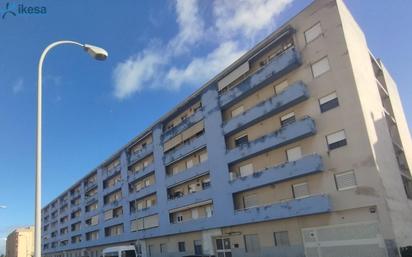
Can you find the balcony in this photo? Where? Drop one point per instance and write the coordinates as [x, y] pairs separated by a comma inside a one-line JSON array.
[[187, 174], [285, 135], [90, 185], [307, 165], [90, 199], [141, 173], [310, 205], [148, 211], [145, 191], [185, 149], [294, 94], [136, 156], [276, 68], [190, 199], [110, 172], [185, 124]]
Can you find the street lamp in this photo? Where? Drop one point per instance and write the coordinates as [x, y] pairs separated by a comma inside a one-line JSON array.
[[98, 54]]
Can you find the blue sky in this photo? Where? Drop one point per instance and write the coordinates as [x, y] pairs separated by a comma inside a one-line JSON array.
[[160, 52]]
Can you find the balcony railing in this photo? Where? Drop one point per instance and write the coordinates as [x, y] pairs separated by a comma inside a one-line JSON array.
[[136, 156], [285, 135], [185, 124], [292, 95], [133, 175], [110, 172], [313, 204], [184, 149], [179, 194], [276, 68], [304, 166]]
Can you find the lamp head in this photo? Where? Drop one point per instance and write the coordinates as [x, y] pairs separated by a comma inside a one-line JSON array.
[[96, 52]]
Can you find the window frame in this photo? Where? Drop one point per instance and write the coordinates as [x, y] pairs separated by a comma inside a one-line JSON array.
[[335, 176], [181, 246], [239, 137], [277, 244], [335, 102], [336, 144], [291, 118], [326, 57], [298, 184], [317, 36], [292, 148]]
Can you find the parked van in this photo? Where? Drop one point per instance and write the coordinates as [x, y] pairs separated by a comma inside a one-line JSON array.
[[121, 251]]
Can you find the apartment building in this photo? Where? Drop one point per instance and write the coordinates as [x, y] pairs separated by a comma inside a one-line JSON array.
[[20, 242], [299, 148]]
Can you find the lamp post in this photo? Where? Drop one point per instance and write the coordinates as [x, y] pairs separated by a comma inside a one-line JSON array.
[[98, 54]]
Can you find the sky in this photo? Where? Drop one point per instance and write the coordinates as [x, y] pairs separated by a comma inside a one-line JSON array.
[[159, 53]]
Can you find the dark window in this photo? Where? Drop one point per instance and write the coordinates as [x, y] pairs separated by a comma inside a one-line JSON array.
[[241, 140], [198, 247], [252, 243], [328, 102], [128, 253], [281, 238], [181, 246], [336, 140], [287, 119]]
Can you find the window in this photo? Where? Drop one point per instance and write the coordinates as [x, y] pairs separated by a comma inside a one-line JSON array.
[[163, 248], [179, 217], [128, 253], [195, 213], [92, 221], [239, 110], [250, 201], [113, 230], [189, 164], [279, 88], [203, 157], [197, 244], [181, 246], [287, 119], [328, 102], [145, 223], [209, 211], [336, 140], [345, 180], [294, 154], [313, 33], [320, 67], [108, 214], [148, 203], [93, 235], [175, 170], [246, 170], [281, 238], [300, 190], [252, 243], [150, 250], [241, 140]]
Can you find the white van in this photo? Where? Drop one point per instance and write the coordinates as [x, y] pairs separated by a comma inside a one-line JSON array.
[[121, 251]]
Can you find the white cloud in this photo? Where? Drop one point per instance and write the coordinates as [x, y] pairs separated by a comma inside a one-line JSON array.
[[247, 17], [191, 26], [18, 86], [131, 75], [234, 22], [202, 69]]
